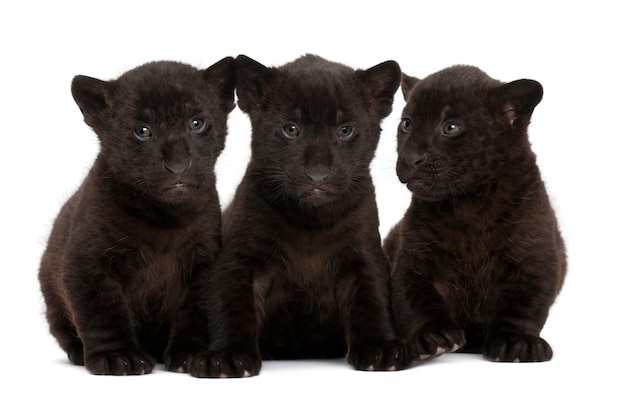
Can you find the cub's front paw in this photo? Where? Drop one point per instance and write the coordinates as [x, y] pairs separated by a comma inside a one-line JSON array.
[[435, 339], [180, 359], [382, 356], [122, 362], [516, 348], [224, 365]]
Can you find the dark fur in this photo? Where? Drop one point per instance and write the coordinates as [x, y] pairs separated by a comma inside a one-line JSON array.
[[129, 251], [478, 256], [302, 273]]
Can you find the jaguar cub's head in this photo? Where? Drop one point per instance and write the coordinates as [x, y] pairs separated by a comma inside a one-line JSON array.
[[161, 125], [460, 129], [315, 125]]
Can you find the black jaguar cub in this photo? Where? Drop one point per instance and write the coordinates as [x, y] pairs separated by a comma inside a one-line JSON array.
[[478, 257], [129, 252], [302, 273]]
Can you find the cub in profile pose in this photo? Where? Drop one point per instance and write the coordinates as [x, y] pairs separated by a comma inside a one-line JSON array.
[[302, 273], [129, 252], [478, 256]]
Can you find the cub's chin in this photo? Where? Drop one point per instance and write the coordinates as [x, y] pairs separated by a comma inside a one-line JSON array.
[[178, 193], [427, 191]]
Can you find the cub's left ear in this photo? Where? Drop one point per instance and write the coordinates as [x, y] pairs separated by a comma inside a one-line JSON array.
[[519, 99], [222, 75], [381, 82]]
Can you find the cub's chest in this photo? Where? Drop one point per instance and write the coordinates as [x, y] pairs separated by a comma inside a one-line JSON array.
[[305, 263], [465, 261], [154, 284], [149, 270], [308, 263], [298, 282], [470, 232]]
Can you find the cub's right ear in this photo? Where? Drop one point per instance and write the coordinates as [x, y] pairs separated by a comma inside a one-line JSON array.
[[408, 82], [252, 79], [92, 96]]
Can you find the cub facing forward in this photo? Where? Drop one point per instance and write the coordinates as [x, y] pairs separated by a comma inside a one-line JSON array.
[[129, 252], [478, 256], [302, 273]]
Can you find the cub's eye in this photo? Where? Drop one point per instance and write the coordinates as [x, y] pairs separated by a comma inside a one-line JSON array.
[[143, 133], [450, 129], [197, 125], [405, 125], [290, 131], [345, 132]]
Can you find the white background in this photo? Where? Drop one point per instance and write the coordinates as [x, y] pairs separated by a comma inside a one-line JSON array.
[[575, 49]]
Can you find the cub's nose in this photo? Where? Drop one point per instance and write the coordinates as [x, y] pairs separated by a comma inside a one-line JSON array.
[[317, 174], [177, 168], [408, 164], [413, 159]]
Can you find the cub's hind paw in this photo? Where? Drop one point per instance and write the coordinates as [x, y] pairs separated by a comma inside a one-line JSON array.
[[517, 348], [224, 365], [435, 339], [128, 362], [385, 356]]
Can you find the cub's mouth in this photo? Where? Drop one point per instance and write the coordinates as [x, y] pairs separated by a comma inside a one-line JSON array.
[[317, 195], [178, 189], [414, 183], [411, 179], [180, 186], [427, 191]]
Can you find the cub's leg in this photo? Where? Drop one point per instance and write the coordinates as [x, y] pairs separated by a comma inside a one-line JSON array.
[[57, 313], [522, 309], [364, 303], [422, 316], [103, 320], [60, 325], [189, 334], [233, 327]]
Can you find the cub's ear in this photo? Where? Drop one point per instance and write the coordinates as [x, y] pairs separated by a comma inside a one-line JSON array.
[[519, 99], [408, 82], [252, 79], [381, 81], [222, 75], [93, 97]]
